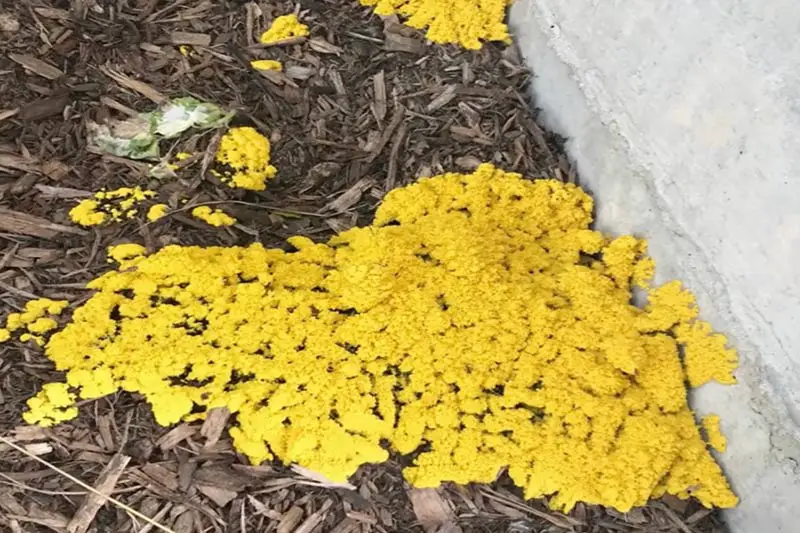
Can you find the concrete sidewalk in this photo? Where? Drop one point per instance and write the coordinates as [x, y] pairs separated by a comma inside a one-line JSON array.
[[683, 119]]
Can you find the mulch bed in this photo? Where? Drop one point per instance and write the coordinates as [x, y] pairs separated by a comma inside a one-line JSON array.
[[364, 105]]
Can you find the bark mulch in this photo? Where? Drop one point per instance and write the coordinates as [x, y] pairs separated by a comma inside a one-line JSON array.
[[363, 105]]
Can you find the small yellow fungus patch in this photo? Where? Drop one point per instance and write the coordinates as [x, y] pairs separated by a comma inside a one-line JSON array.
[[182, 156], [185, 50], [244, 156], [478, 321], [156, 212], [463, 22], [52, 405], [215, 217], [109, 206], [266, 64], [284, 27], [711, 424]]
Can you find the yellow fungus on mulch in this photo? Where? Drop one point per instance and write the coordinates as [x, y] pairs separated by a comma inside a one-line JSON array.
[[284, 27], [157, 211], [243, 158], [109, 206], [463, 22], [266, 64], [214, 217], [478, 322], [34, 321]]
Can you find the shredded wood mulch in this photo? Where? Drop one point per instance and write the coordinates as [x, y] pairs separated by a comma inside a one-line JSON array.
[[363, 105]]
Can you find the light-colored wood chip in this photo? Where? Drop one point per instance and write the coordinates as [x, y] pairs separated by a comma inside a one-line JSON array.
[[394, 42], [444, 98], [214, 425], [8, 113], [431, 508], [104, 485], [350, 197], [218, 495], [161, 475], [61, 192], [324, 47], [37, 66], [52, 13], [134, 85], [315, 519], [290, 519], [380, 101], [25, 224], [190, 38], [55, 170], [15, 162], [177, 434]]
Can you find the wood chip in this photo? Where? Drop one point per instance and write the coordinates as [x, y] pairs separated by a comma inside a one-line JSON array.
[[218, 495], [37, 66], [324, 47], [290, 519], [15, 162], [104, 485], [379, 104], [44, 107], [61, 192], [444, 98], [134, 85], [189, 38], [8, 113], [430, 508], [52, 13], [400, 43], [55, 170], [162, 475], [348, 525], [315, 519], [350, 197], [25, 224], [214, 425], [175, 435]]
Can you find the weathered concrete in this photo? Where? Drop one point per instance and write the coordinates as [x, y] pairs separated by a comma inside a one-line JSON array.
[[683, 119]]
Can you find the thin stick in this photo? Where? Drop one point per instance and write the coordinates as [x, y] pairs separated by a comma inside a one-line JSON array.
[[91, 489]]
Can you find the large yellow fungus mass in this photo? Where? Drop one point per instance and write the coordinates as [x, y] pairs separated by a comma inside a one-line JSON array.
[[463, 22], [478, 323]]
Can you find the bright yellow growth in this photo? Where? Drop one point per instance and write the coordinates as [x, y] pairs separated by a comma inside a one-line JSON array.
[[156, 212], [266, 64], [243, 155], [463, 22], [284, 27], [54, 404], [215, 217], [109, 206], [34, 321], [714, 434], [478, 321]]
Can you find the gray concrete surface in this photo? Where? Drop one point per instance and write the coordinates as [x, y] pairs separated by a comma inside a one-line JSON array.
[[683, 120]]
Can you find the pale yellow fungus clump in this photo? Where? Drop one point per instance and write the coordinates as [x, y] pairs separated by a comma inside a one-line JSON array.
[[464, 22], [215, 217], [243, 155], [266, 64], [711, 424], [478, 322], [284, 27], [156, 212], [34, 321], [182, 156], [109, 206]]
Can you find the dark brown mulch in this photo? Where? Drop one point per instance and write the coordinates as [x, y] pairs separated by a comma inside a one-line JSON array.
[[363, 106]]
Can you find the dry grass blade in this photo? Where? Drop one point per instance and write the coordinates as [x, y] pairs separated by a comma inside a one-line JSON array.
[[105, 484], [91, 489]]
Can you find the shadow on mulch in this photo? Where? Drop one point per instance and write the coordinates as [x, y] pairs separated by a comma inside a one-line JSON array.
[[362, 106]]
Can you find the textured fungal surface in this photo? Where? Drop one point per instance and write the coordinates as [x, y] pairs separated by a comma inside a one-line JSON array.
[[243, 157], [478, 323], [467, 23]]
